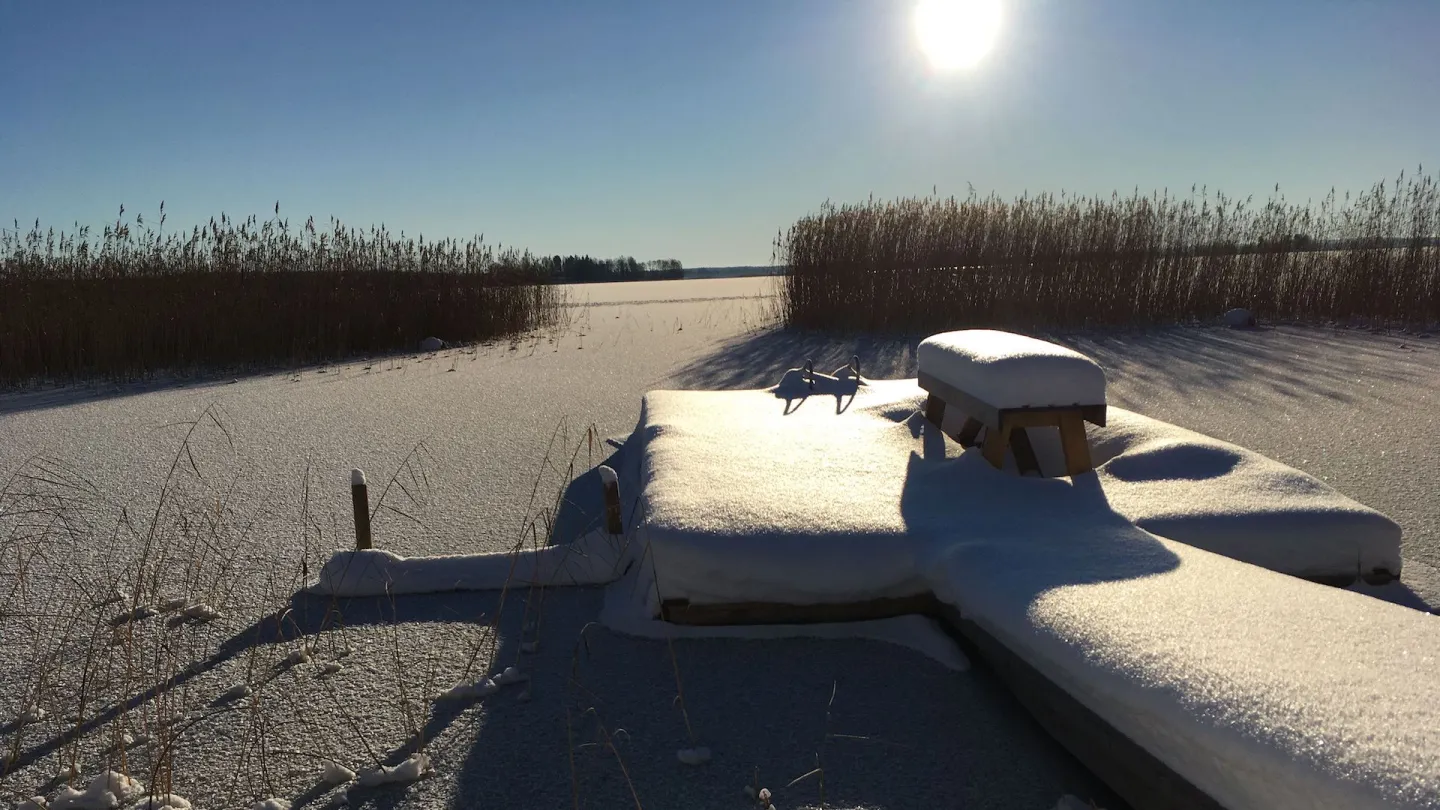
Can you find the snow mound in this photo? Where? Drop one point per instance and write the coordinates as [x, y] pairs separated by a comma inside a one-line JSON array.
[[1233, 501], [32, 715], [415, 767], [511, 675], [304, 655], [1012, 371], [271, 804], [594, 559], [693, 756], [336, 774], [199, 612], [236, 692], [106, 791], [33, 803], [465, 691], [1173, 459]]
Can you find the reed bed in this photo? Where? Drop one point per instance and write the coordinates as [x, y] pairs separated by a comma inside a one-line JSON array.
[[928, 264], [135, 300]]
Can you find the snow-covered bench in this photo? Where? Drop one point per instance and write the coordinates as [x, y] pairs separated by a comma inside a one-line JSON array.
[[1006, 383]]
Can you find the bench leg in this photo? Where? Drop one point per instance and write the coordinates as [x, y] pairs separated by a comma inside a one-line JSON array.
[[995, 443], [934, 409], [1072, 438], [1025, 460], [969, 431]]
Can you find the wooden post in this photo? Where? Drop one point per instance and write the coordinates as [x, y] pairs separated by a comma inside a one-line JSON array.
[[855, 365], [360, 499], [614, 523], [1072, 438], [810, 373], [934, 409]]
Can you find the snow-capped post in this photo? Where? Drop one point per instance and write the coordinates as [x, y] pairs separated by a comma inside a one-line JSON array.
[[855, 365], [810, 372], [613, 522], [360, 498]]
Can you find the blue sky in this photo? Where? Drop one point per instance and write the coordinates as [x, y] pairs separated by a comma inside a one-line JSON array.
[[686, 129]]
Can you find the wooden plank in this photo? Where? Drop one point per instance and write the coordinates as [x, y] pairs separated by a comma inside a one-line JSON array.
[[969, 431], [934, 409], [996, 441], [1025, 460], [988, 414], [1034, 417], [1077, 449], [1125, 766], [1094, 414], [680, 611]]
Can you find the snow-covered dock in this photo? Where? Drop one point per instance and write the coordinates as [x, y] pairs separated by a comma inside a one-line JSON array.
[[1252, 688], [1153, 613]]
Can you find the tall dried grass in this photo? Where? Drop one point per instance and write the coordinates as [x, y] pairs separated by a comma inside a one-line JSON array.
[[136, 299], [926, 264]]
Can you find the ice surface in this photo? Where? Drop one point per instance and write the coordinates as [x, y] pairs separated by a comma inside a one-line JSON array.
[[168, 801], [105, 792], [413, 768], [1008, 370]]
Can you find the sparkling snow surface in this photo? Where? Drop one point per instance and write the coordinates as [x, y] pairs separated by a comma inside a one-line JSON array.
[[1353, 409], [1008, 370]]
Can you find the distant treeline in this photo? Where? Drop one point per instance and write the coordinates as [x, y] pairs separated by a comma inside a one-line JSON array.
[[586, 269]]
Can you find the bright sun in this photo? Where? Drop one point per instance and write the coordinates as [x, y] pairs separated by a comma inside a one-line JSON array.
[[956, 34]]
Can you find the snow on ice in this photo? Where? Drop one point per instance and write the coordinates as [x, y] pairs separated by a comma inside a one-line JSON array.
[[106, 791], [413, 768], [336, 774], [693, 756]]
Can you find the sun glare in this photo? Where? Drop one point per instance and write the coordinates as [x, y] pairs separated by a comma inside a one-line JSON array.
[[957, 34]]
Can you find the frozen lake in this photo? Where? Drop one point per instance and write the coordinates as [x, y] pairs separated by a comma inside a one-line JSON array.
[[1352, 408]]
